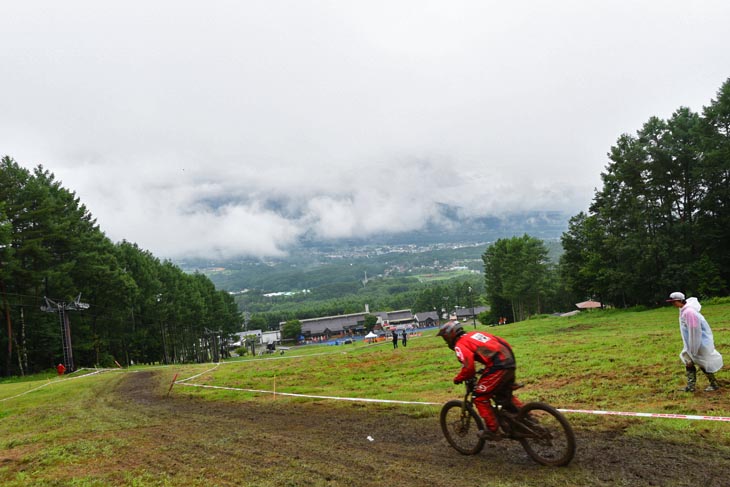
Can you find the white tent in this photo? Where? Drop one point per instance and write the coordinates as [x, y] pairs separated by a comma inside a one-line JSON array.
[[370, 337]]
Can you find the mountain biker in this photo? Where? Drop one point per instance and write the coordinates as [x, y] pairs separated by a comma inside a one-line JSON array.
[[499, 370]]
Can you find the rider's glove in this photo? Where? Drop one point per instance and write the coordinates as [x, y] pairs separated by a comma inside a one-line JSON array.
[[458, 381]]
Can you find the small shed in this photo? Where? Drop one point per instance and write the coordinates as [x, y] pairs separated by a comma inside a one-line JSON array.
[[590, 304]]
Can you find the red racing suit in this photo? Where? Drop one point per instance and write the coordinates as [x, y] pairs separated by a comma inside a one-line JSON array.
[[499, 370]]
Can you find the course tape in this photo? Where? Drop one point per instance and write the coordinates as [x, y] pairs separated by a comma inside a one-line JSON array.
[[648, 415], [310, 396], [183, 382], [196, 375], [50, 382], [422, 403]]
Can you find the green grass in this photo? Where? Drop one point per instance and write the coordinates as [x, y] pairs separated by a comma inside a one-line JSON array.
[[602, 359]]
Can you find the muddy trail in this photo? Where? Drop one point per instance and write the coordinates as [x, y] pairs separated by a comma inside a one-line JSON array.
[[268, 442]]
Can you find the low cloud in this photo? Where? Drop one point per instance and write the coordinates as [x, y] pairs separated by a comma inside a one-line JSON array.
[[238, 129]]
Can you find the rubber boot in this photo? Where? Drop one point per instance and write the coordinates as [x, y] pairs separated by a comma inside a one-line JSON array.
[[691, 379], [714, 385]]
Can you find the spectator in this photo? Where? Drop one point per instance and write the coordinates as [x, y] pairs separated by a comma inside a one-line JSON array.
[[699, 345], [395, 339]]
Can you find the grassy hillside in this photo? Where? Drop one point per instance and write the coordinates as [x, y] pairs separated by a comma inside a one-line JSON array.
[[608, 360], [612, 359]]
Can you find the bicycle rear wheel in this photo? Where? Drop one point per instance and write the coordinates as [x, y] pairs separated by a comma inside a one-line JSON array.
[[461, 426], [545, 434]]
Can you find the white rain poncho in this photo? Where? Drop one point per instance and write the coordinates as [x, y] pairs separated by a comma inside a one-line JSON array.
[[699, 346]]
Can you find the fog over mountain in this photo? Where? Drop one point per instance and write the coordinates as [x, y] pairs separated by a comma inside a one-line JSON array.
[[245, 128]]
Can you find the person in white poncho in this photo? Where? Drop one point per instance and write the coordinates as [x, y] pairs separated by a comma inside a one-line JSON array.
[[699, 346]]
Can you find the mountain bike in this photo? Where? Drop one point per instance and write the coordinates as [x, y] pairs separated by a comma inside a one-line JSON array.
[[542, 430]]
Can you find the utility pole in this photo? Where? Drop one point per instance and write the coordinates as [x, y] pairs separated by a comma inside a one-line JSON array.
[[471, 299], [61, 307]]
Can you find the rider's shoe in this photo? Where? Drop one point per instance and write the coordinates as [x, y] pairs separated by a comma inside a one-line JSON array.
[[687, 389], [712, 387], [490, 435]]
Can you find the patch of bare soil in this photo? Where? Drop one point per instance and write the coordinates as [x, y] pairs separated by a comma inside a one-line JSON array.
[[267, 442]]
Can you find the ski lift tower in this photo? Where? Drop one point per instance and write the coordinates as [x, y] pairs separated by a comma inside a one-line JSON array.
[[61, 307]]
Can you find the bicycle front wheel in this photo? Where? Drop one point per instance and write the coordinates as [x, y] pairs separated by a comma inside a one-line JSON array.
[[461, 425], [546, 435]]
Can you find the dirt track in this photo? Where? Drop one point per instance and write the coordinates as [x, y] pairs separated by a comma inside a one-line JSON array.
[[284, 443]]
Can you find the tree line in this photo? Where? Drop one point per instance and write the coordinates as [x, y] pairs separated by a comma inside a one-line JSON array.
[[660, 223], [141, 309]]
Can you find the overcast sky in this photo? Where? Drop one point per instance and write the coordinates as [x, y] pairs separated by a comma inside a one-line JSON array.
[[234, 127]]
